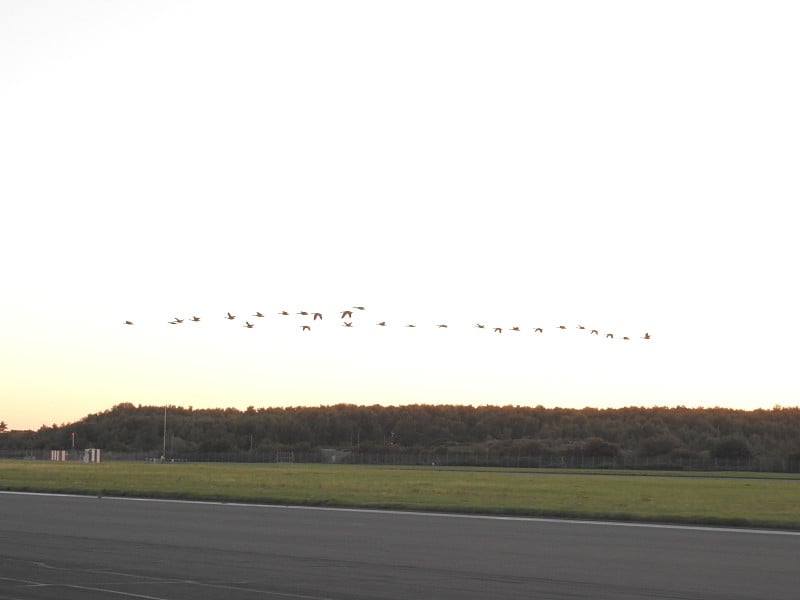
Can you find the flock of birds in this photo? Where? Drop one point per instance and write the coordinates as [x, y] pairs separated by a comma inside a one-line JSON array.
[[348, 314]]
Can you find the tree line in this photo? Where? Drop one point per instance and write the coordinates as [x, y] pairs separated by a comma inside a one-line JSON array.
[[677, 432]]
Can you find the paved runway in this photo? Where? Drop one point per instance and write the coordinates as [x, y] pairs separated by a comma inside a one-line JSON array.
[[66, 547]]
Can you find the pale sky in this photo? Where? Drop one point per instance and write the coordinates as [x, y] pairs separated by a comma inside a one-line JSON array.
[[627, 166]]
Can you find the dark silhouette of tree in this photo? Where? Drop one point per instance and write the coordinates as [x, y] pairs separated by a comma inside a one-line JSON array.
[[506, 430], [731, 447]]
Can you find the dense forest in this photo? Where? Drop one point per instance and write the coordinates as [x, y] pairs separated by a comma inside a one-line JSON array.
[[531, 431]]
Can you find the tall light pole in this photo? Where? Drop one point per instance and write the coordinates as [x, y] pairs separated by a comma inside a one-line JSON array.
[[164, 452]]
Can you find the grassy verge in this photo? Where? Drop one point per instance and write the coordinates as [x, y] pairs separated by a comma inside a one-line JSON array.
[[752, 500]]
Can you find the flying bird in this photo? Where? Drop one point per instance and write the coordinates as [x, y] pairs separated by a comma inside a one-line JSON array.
[[410, 325], [196, 319], [538, 330], [479, 326], [515, 328], [177, 320], [442, 326], [305, 328], [646, 336], [347, 313], [230, 317], [382, 323], [359, 307], [284, 313], [317, 316], [498, 329], [610, 335], [258, 314], [128, 323], [594, 332], [248, 324], [348, 324], [304, 313], [172, 322], [562, 326]]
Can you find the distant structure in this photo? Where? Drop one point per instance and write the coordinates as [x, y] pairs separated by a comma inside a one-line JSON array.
[[59, 455], [283, 456], [92, 455]]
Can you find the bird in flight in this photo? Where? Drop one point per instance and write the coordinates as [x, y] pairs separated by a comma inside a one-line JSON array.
[[305, 328], [349, 314]]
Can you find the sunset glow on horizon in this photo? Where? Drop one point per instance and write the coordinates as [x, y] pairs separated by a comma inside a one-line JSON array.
[[619, 166]]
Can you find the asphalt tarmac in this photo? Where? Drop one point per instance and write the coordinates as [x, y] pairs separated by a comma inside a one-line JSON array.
[[69, 547]]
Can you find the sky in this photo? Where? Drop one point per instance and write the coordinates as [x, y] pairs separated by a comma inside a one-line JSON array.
[[625, 166]]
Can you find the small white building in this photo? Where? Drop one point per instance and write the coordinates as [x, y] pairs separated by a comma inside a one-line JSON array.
[[92, 455]]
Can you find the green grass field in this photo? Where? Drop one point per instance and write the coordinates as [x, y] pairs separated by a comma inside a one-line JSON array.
[[752, 499]]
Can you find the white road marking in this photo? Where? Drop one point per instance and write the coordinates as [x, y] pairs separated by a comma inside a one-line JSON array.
[[107, 591], [156, 580], [25, 581], [411, 513]]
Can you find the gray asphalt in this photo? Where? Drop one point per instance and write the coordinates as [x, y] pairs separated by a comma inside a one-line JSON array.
[[68, 547]]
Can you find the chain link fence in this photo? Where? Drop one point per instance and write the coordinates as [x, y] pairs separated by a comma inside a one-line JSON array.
[[448, 459]]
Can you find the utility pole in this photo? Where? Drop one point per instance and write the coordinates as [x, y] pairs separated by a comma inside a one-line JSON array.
[[164, 452]]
